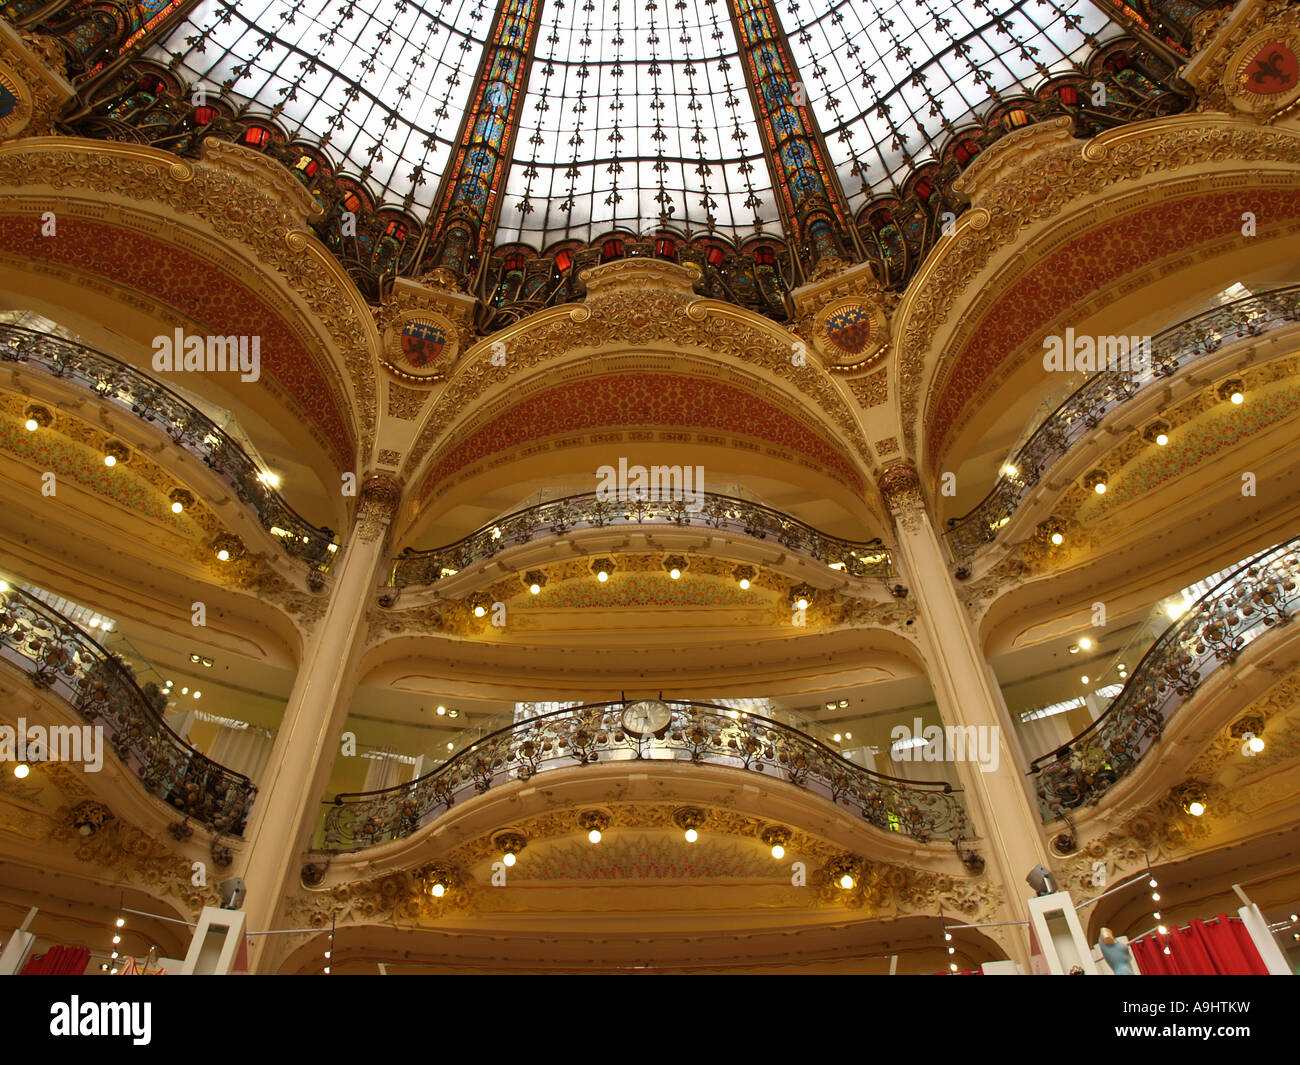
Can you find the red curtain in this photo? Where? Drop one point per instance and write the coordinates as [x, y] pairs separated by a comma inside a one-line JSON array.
[[58, 961], [1203, 948]]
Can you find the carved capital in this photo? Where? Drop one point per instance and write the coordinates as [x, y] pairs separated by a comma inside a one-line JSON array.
[[901, 488], [381, 494]]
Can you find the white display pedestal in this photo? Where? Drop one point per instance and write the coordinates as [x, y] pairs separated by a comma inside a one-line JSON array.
[[1058, 935], [216, 945], [1002, 968]]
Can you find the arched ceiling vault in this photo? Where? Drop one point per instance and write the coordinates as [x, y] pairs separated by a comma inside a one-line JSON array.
[[1056, 225], [688, 363], [144, 242]]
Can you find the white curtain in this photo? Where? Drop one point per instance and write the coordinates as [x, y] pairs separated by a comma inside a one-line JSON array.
[[385, 771], [242, 750]]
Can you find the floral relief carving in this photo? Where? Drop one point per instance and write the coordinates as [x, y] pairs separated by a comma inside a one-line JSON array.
[[242, 204], [1057, 178]]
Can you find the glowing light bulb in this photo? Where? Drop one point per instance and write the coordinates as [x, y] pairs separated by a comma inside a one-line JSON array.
[[1152, 882], [602, 576], [1084, 678], [1085, 643], [31, 425], [223, 555], [594, 835], [177, 508], [121, 921], [947, 936], [1099, 488], [1155, 896], [1196, 808], [846, 882], [117, 939], [1162, 930], [1162, 439], [837, 737], [535, 588], [508, 859], [744, 584], [691, 835], [21, 770], [1058, 539], [110, 460], [1255, 744], [778, 852], [479, 611], [1238, 399], [802, 604], [439, 890], [440, 711], [674, 573]]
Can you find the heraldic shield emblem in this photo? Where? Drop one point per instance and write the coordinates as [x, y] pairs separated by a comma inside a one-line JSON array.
[[851, 333], [421, 345], [1263, 76]]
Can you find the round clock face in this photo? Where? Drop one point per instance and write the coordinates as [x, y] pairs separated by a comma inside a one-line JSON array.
[[646, 717]]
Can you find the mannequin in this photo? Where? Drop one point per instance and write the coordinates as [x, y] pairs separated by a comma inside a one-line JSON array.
[[1116, 953]]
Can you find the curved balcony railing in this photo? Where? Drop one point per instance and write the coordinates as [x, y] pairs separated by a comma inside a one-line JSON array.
[[1106, 391], [59, 657], [1261, 595], [694, 732], [188, 427], [587, 511]]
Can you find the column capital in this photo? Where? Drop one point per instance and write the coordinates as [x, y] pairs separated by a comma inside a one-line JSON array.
[[901, 487], [381, 494]]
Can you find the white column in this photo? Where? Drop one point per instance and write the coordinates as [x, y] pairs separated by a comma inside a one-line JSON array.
[[287, 807], [1011, 829]]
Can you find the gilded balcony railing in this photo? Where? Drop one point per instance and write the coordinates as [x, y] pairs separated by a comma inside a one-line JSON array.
[[702, 733], [1261, 595], [116, 382], [587, 511], [1107, 391], [59, 657]]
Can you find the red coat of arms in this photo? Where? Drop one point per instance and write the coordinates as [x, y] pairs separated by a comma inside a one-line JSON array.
[[422, 343], [1273, 70], [849, 330]]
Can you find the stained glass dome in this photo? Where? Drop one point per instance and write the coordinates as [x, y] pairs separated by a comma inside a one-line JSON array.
[[587, 117]]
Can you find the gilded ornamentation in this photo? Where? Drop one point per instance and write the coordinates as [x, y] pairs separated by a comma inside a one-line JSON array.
[[388, 457], [734, 849], [32, 69], [872, 390], [405, 403], [1216, 75], [380, 497], [887, 446], [239, 199], [1263, 77], [901, 489], [640, 304]]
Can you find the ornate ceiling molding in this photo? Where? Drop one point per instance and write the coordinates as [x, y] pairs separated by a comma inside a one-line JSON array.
[[634, 305], [629, 403], [1044, 186], [247, 200], [731, 853]]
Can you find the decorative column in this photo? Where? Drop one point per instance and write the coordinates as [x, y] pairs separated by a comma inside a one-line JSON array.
[[287, 806], [968, 694], [812, 204], [469, 199]]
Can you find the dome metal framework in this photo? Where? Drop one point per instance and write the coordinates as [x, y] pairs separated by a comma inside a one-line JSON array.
[[502, 146]]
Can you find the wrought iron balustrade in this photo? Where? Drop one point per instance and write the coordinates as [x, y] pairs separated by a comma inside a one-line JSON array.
[[1105, 392], [701, 733], [588, 511], [59, 657], [1261, 595], [188, 427]]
